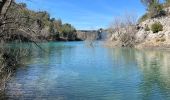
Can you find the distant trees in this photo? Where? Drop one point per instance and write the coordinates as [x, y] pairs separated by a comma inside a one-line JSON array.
[[38, 25], [62, 31], [68, 31]]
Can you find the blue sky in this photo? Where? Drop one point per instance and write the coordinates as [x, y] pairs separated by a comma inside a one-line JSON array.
[[86, 14]]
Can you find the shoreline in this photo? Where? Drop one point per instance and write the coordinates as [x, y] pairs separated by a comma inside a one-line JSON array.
[[162, 47]]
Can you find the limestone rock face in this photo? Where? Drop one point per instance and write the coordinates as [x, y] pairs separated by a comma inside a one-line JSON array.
[[149, 38], [146, 38]]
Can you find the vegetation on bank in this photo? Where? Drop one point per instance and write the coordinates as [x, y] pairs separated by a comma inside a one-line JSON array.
[[154, 9], [126, 31], [123, 31], [156, 27], [39, 26], [19, 24]]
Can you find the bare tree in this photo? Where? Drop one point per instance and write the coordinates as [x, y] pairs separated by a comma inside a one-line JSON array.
[[4, 6], [123, 30]]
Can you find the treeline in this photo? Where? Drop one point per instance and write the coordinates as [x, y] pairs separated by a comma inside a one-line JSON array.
[[24, 24]]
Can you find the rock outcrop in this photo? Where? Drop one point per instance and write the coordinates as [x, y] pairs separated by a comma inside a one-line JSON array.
[[147, 38]]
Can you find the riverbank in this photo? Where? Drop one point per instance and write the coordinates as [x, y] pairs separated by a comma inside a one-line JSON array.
[[145, 45]]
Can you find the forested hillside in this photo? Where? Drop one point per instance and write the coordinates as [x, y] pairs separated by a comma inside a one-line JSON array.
[[22, 23]]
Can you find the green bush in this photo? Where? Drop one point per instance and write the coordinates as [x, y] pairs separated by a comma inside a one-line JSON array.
[[156, 27]]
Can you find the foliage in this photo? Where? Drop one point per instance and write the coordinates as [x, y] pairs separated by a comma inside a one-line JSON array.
[[148, 2], [154, 8], [67, 28], [156, 27], [58, 25], [68, 31], [41, 25], [24, 5]]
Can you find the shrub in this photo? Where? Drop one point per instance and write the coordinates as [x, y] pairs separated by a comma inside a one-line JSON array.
[[156, 27], [147, 28], [162, 13]]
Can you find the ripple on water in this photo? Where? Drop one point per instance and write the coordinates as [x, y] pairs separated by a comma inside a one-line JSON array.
[[72, 71]]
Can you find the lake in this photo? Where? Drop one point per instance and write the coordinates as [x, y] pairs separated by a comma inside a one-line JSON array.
[[76, 71]]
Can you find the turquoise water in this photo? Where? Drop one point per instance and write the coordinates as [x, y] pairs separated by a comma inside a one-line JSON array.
[[75, 71]]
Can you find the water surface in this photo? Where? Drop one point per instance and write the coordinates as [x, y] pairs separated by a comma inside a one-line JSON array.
[[75, 71]]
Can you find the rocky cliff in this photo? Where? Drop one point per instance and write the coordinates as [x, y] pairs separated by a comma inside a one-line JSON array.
[[149, 39], [145, 38]]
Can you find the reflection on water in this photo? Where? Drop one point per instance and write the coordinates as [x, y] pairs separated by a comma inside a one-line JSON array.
[[72, 71], [154, 67]]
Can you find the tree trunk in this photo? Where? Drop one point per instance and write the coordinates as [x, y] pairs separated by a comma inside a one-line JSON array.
[[4, 7]]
